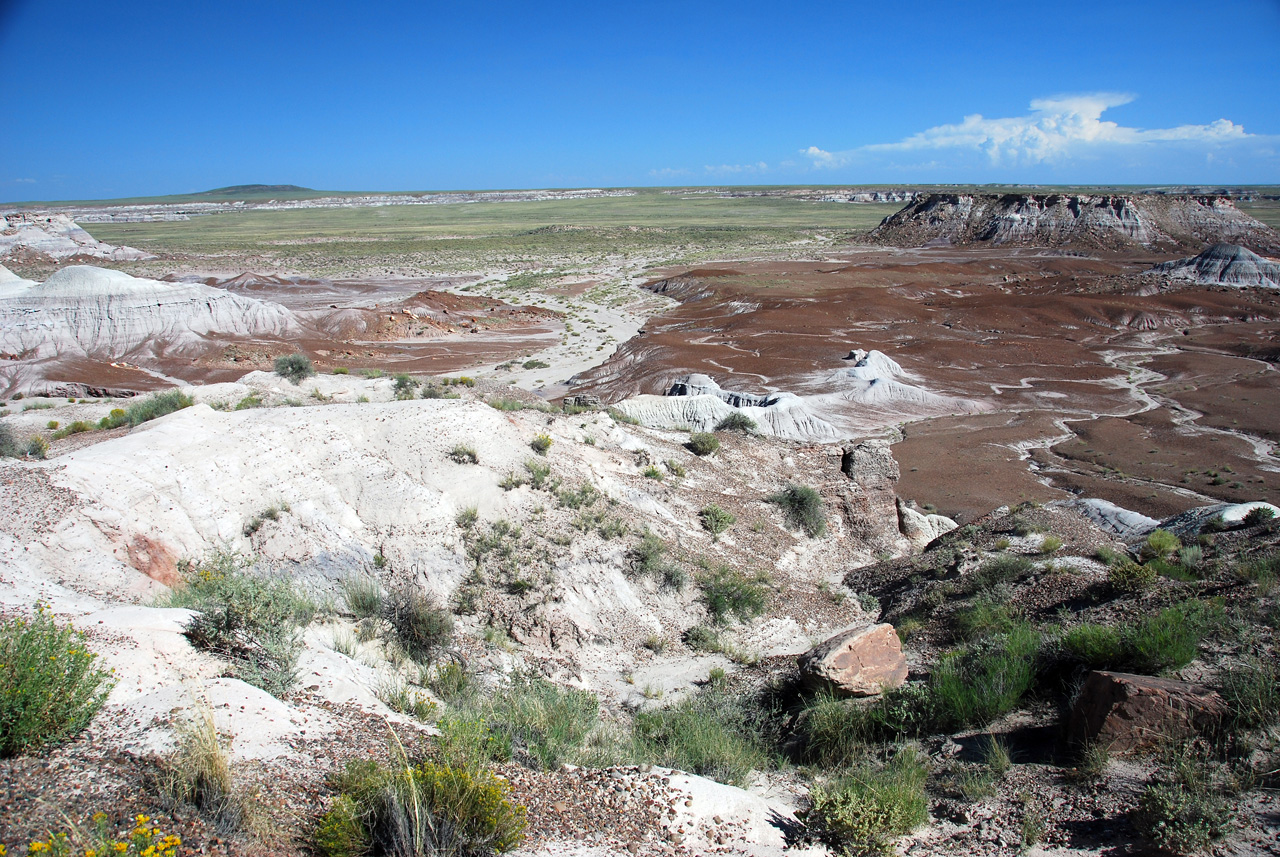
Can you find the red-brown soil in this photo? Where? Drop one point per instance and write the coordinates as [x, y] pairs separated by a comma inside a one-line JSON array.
[[1039, 336]]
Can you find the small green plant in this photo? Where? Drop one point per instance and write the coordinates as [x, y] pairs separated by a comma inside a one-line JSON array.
[[159, 405], [464, 454], [539, 472], [716, 520], [702, 443], [422, 627], [1160, 544], [397, 695], [709, 734], [404, 387], [467, 517], [541, 443], [198, 772], [253, 400], [702, 638], [372, 374], [1050, 544], [728, 593], [271, 513], [739, 422], [294, 367], [50, 683], [419, 810], [675, 468], [583, 497], [249, 620], [649, 559], [1258, 515], [363, 595], [1251, 690], [652, 472], [1096, 646], [1182, 811], [512, 481], [863, 811], [803, 507], [536, 364], [1128, 576], [140, 839], [622, 419], [52, 424], [1262, 570], [1168, 640], [341, 370], [37, 447], [9, 447], [983, 618], [986, 680]]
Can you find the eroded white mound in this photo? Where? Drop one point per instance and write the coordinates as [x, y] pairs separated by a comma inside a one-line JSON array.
[[57, 236], [82, 309]]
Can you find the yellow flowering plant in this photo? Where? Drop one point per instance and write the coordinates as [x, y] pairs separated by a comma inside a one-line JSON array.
[[141, 839]]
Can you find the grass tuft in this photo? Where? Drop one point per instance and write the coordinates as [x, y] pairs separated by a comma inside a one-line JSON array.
[[803, 507]]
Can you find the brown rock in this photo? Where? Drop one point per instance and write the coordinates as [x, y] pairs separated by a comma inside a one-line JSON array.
[[860, 661], [1133, 712]]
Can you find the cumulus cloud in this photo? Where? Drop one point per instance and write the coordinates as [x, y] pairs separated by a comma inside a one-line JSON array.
[[1056, 130], [668, 173]]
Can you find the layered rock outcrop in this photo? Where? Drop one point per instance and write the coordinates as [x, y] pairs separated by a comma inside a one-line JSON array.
[[1061, 220], [1223, 265], [58, 237]]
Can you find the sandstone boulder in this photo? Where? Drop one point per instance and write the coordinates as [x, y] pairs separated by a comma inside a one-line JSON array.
[[919, 528], [1127, 713], [861, 661]]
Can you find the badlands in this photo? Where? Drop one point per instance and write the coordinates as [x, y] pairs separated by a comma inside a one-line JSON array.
[[743, 522]]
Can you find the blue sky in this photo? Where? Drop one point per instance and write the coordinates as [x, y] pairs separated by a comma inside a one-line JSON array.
[[110, 99]]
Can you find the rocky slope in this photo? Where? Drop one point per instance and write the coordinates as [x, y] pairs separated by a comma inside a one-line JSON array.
[[109, 314], [1223, 265], [55, 236], [1070, 220]]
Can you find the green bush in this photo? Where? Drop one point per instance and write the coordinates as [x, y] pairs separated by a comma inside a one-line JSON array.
[[583, 497], [421, 626], [249, 402], [1169, 640], [545, 723], [541, 443], [404, 387], [294, 367], [50, 685], [863, 811], [1127, 576], [834, 731], [983, 618], [1098, 647], [710, 734], [986, 680], [738, 421], [464, 453], [420, 810], [1005, 568], [1182, 811], [1160, 544], [1258, 515], [702, 443], [1251, 690], [649, 559], [249, 620], [803, 507], [9, 447], [1262, 570], [539, 472], [159, 405], [716, 520], [468, 742], [727, 593], [652, 472], [37, 447], [536, 364], [363, 595], [341, 370]]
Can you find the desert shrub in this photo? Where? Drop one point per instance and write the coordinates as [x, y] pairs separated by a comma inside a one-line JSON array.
[[541, 443], [271, 513], [9, 447], [249, 620], [1160, 544], [467, 517], [675, 468], [1191, 557], [539, 472], [803, 507], [1181, 810], [649, 558], [341, 370], [702, 638], [51, 425], [421, 626], [512, 481], [294, 367], [1258, 515], [1128, 576], [728, 593], [620, 418], [118, 417], [1262, 570], [50, 684], [716, 520], [505, 404], [536, 364], [1251, 690], [76, 427], [1168, 640], [833, 731], [467, 741], [363, 595], [738, 421], [1050, 544], [464, 453], [1096, 646], [986, 680], [198, 772], [420, 810], [37, 447], [546, 724], [652, 472], [983, 618], [863, 811], [154, 407], [399, 696], [582, 497], [710, 734], [702, 443], [249, 402], [449, 680], [1005, 568], [404, 386]]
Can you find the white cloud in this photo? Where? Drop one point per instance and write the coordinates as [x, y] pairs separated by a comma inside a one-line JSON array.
[[24, 181], [729, 169], [669, 173], [1056, 130]]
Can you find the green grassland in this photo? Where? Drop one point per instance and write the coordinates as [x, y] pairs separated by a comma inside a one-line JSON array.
[[463, 237]]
